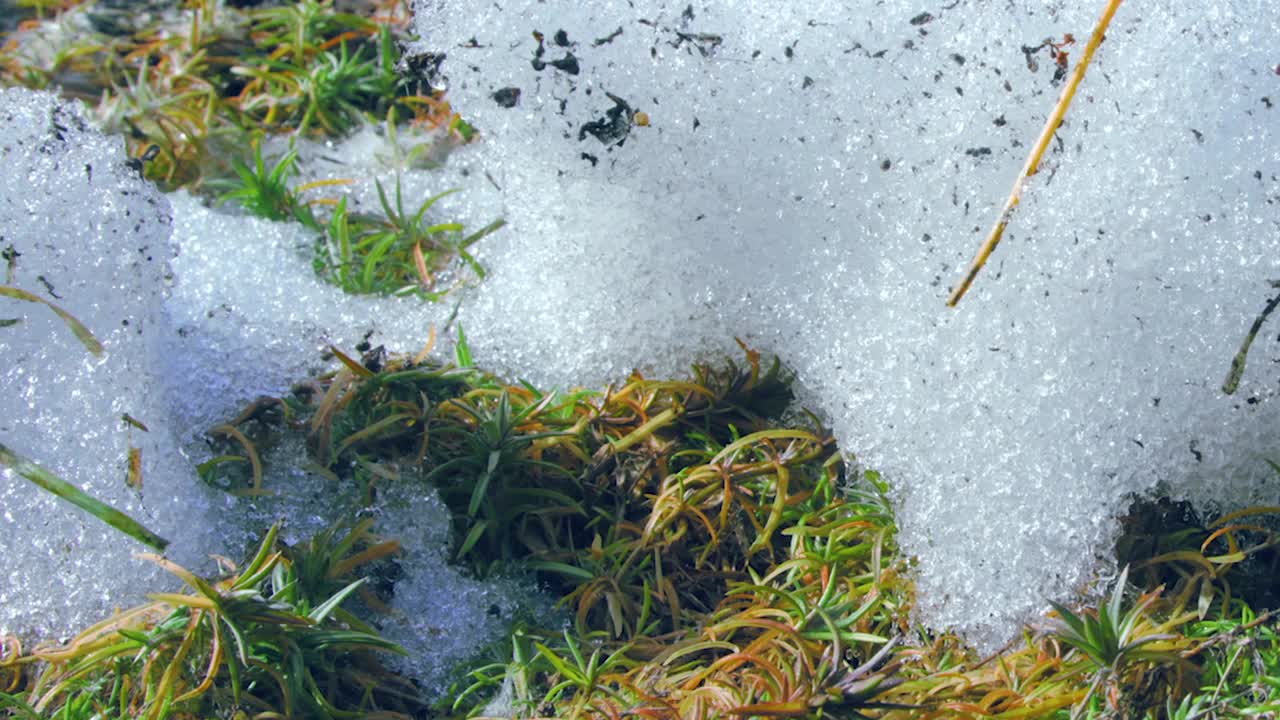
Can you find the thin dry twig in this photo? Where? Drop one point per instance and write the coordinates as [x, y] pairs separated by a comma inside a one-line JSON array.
[[1037, 151]]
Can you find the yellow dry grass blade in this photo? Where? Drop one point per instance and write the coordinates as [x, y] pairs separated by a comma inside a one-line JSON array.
[[81, 332], [1037, 151], [254, 461], [426, 349], [352, 364]]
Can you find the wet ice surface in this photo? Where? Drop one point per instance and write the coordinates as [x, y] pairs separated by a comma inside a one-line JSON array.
[[813, 179]]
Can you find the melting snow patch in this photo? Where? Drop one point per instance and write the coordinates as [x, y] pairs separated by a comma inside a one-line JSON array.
[[814, 176], [439, 615], [251, 318], [79, 228], [810, 177], [192, 331]]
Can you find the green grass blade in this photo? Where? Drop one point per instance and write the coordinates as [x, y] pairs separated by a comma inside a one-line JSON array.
[[559, 663], [476, 236], [65, 490], [472, 538], [462, 351], [417, 218], [328, 606], [382, 247], [472, 263], [572, 571], [347, 640], [442, 228], [386, 206], [481, 489], [1070, 619], [257, 569], [1117, 596], [15, 704], [283, 168]]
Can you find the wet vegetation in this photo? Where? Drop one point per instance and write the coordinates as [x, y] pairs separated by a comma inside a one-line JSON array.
[[715, 557], [715, 554], [199, 90]]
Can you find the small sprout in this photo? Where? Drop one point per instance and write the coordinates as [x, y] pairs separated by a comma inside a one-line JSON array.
[[1109, 636], [261, 192]]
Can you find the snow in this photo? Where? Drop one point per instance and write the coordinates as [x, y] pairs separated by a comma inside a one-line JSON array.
[[200, 312], [814, 177], [92, 237], [251, 318]]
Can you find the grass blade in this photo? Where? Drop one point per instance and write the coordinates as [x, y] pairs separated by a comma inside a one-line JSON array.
[[1232, 382], [82, 333], [328, 606], [481, 489], [462, 351], [478, 235], [356, 368], [472, 538], [65, 490]]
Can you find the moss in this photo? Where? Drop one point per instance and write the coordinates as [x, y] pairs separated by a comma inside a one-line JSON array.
[[715, 564]]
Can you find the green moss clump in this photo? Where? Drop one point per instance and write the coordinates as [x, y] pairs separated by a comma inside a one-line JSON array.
[[716, 561]]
